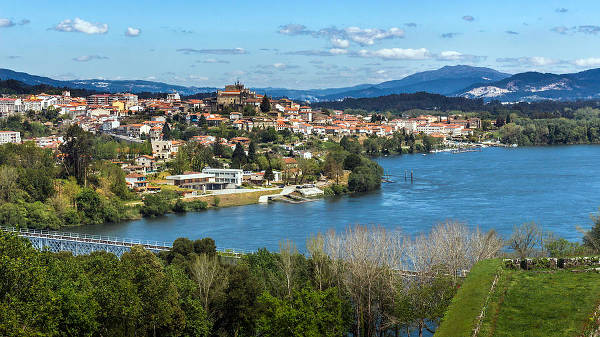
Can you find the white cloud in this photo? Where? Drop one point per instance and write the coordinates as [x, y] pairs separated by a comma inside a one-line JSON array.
[[338, 51], [368, 36], [340, 38], [588, 62], [233, 51], [215, 61], [530, 60], [451, 55], [132, 32], [87, 58], [340, 43], [6, 23], [397, 54], [82, 26]]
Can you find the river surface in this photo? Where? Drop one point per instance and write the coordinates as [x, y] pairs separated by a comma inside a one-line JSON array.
[[556, 187]]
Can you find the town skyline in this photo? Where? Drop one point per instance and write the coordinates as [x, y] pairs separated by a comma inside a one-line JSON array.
[[286, 45]]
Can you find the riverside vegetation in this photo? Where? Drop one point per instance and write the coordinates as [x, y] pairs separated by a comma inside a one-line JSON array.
[[365, 281], [81, 186]]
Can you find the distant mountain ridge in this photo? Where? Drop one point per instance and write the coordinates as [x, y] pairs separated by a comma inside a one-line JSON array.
[[461, 80], [535, 86], [112, 86], [443, 81]]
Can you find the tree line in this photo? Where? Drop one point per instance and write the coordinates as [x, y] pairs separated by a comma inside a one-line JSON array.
[[350, 282]]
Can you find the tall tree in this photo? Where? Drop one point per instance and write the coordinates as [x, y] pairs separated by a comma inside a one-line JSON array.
[[166, 131], [77, 151], [252, 152], [238, 159], [265, 104]]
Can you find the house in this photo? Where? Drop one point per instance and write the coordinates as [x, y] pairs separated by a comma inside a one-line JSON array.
[[146, 161], [231, 177], [196, 181], [165, 149], [136, 181], [10, 137]]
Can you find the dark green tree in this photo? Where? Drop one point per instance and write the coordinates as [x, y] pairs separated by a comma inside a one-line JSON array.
[[166, 132], [77, 150], [252, 152], [265, 104], [238, 158]]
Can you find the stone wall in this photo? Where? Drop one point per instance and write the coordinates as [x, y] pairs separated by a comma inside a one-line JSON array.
[[552, 263]]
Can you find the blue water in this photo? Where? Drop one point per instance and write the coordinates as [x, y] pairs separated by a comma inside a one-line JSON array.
[[556, 187]]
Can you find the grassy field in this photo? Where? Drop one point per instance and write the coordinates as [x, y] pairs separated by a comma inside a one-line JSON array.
[[234, 199], [524, 303], [460, 317], [533, 303]]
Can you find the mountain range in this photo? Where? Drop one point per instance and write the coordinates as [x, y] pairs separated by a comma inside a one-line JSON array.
[[461, 80]]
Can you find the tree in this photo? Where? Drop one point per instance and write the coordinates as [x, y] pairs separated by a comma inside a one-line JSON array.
[[238, 158], [525, 239], [352, 161], [77, 150], [307, 313], [210, 277], [202, 121], [156, 204], [265, 104], [269, 175], [252, 152], [363, 259], [591, 238], [160, 313], [238, 314], [364, 179], [166, 131]]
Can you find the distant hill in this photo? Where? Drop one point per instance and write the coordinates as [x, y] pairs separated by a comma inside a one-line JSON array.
[[535, 86], [134, 86], [444, 81], [403, 102], [15, 87]]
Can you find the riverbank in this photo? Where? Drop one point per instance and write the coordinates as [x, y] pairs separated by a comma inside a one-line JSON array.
[[494, 188], [233, 199]]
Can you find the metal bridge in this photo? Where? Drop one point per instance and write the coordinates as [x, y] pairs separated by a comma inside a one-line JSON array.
[[81, 244]]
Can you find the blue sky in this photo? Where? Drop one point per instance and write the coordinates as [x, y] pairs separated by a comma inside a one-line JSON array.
[[301, 44]]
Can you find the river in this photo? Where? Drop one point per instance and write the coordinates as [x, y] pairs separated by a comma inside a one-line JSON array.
[[496, 188]]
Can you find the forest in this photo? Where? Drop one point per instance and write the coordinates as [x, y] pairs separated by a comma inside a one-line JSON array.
[[362, 281]]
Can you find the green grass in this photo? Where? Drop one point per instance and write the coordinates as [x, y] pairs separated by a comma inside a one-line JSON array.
[[528, 303], [461, 315], [524, 303]]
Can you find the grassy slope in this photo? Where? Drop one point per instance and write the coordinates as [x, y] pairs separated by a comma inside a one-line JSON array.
[[524, 303], [542, 304], [459, 319]]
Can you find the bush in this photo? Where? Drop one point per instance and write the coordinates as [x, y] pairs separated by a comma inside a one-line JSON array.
[[364, 179], [156, 205]]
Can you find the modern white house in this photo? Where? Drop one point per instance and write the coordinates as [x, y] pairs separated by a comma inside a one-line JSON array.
[[231, 177]]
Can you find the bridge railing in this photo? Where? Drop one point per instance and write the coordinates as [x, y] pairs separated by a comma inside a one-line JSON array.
[[102, 239], [86, 237]]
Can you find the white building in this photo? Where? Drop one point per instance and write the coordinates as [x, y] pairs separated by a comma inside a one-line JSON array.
[[10, 137], [232, 177]]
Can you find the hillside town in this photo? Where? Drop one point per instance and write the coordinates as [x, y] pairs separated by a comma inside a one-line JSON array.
[[127, 118]]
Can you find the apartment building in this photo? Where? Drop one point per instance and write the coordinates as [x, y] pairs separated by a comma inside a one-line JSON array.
[[10, 137]]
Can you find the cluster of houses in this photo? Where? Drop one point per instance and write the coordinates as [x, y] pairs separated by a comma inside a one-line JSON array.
[[235, 106]]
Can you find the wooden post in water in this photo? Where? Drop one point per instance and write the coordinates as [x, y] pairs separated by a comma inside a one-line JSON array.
[[404, 175], [411, 176]]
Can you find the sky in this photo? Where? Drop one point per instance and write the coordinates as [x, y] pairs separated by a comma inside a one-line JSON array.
[[293, 44]]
